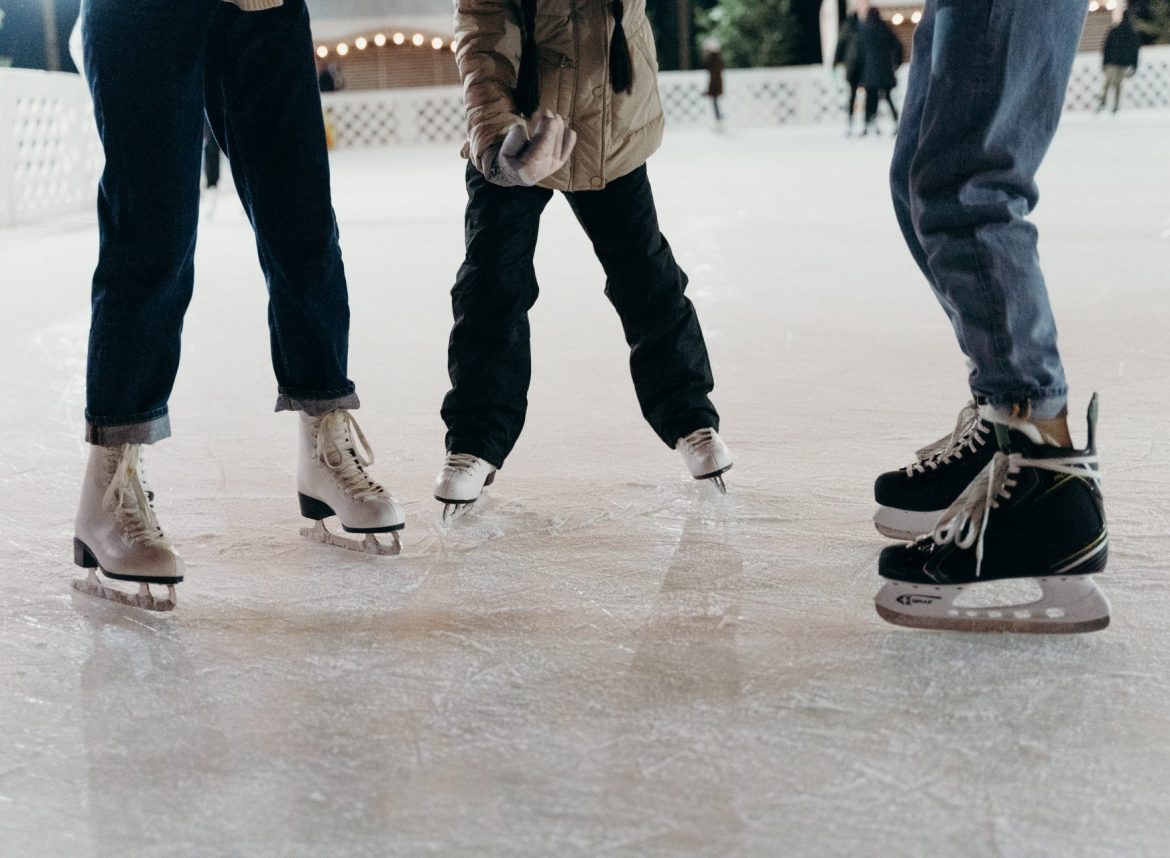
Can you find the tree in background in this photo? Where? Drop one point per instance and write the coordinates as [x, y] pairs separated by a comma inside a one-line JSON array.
[[1153, 20], [764, 32]]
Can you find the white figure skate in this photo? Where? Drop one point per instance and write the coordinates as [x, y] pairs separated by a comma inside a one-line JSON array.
[[116, 532], [461, 482], [706, 456], [332, 481]]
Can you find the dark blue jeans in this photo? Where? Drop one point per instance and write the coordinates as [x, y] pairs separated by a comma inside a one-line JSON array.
[[153, 66], [987, 84]]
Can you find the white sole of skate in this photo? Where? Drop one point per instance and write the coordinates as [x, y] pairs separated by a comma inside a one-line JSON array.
[[1067, 605], [94, 586], [369, 544], [904, 524]]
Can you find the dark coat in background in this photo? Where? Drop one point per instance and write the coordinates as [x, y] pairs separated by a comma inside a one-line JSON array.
[[1121, 45], [849, 50], [881, 53], [713, 62]]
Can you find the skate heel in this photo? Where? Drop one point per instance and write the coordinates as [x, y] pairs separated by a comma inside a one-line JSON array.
[[82, 556], [314, 509]]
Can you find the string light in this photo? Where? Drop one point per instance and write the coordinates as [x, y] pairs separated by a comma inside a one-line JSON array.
[[380, 39], [399, 38], [417, 40], [452, 47], [1111, 5], [437, 43], [360, 43], [322, 52], [916, 17], [898, 19], [342, 49]]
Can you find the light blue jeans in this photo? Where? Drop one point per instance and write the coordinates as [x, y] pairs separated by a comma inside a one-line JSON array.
[[987, 84]]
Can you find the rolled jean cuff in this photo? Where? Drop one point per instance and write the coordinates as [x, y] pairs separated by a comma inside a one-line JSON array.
[[148, 431], [316, 404], [1045, 405]]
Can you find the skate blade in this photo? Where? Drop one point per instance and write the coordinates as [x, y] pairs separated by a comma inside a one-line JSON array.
[[904, 524], [1068, 605], [369, 544], [93, 586], [719, 484], [455, 511]]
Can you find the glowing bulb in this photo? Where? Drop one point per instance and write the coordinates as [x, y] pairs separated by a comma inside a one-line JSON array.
[[360, 43], [1094, 6], [417, 40], [452, 47], [342, 49], [1111, 5], [437, 43], [322, 52], [380, 39], [399, 38], [916, 17], [898, 19]]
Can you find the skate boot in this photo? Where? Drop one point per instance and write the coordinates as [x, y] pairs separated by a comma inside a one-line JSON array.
[[332, 480], [706, 456], [461, 482], [1035, 511], [911, 499], [116, 532]]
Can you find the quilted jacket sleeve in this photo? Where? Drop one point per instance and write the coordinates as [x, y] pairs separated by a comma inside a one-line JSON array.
[[489, 42]]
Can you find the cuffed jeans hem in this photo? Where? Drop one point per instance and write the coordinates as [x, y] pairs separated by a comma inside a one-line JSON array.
[[471, 447], [688, 423], [317, 405], [1044, 405], [142, 432]]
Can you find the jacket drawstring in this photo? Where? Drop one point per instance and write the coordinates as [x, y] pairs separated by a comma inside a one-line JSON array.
[[528, 77], [621, 70]]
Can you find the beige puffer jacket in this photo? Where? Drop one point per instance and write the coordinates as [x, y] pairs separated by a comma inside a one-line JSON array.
[[616, 131]]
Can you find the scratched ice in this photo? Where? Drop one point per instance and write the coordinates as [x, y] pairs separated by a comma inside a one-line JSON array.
[[606, 658]]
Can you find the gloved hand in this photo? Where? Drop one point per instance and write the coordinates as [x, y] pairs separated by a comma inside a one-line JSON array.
[[517, 160]]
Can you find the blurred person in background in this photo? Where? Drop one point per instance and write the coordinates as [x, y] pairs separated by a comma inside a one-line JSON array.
[[870, 53], [1120, 56], [713, 63]]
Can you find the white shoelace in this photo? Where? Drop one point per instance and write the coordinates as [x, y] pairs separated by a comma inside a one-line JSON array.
[[968, 435], [127, 499], [699, 442], [965, 521], [340, 436], [461, 462]]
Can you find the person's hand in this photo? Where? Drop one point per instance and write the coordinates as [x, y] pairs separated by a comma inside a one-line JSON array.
[[518, 160]]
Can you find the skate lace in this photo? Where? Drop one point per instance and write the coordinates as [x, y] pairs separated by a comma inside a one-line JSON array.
[[968, 435], [699, 442], [126, 497], [340, 438], [463, 463], [965, 521]]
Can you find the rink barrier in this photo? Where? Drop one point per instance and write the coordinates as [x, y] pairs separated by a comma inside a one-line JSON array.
[[50, 158]]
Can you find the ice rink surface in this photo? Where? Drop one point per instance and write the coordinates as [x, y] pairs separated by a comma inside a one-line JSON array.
[[607, 658]]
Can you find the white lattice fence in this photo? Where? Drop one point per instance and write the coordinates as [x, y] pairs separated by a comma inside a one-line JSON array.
[[50, 158]]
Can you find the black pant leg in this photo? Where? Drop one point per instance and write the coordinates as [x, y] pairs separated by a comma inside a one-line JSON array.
[[211, 158], [668, 356], [265, 109], [488, 355], [146, 81], [890, 101], [872, 97]]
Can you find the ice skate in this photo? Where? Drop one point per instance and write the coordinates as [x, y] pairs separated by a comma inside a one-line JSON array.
[[911, 499], [332, 458], [461, 482], [706, 456], [1035, 511], [117, 533]]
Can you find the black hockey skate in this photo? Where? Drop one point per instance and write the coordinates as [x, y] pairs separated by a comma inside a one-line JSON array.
[[911, 499], [1035, 511]]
